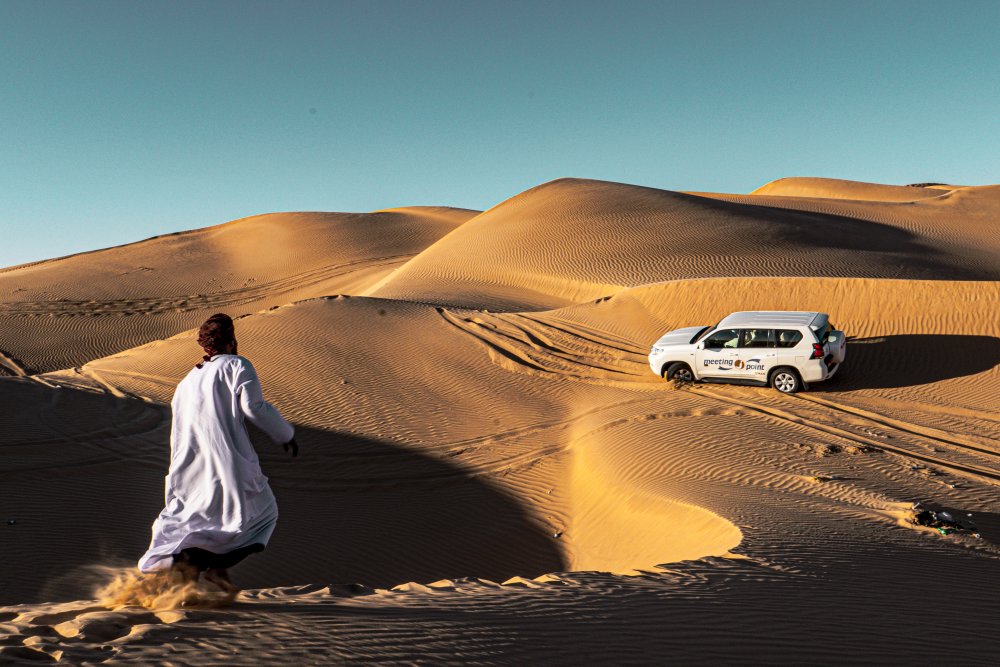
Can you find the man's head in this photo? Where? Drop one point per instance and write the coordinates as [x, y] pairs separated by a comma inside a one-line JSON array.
[[217, 335]]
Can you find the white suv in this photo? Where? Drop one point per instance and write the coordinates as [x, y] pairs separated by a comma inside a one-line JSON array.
[[784, 349]]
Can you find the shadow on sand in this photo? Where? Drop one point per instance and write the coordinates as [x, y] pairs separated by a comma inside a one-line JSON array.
[[352, 509], [891, 362]]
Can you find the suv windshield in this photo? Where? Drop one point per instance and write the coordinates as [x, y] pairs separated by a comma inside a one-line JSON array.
[[707, 331], [698, 335]]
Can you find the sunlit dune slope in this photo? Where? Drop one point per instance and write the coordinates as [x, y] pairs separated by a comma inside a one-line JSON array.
[[571, 240], [64, 312]]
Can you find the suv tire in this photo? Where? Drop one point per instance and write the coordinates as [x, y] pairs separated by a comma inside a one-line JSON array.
[[678, 371], [786, 380]]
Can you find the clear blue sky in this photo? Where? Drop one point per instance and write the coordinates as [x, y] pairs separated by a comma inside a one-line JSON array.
[[121, 120]]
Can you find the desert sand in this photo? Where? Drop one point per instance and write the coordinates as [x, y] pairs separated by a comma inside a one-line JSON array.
[[490, 473]]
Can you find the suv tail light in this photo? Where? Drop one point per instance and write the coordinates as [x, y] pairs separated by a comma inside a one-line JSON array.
[[817, 351]]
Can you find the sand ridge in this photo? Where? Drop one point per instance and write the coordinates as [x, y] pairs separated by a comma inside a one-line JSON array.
[[491, 472], [572, 240], [64, 312], [835, 188]]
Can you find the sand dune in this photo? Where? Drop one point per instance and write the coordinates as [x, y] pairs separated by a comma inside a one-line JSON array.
[[514, 487], [64, 312], [572, 240], [835, 188], [479, 436]]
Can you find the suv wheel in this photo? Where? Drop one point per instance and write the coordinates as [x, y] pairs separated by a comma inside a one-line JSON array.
[[786, 380], [678, 371]]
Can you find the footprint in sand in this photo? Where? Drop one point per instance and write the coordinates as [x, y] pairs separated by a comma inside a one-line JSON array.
[[103, 626], [86, 635]]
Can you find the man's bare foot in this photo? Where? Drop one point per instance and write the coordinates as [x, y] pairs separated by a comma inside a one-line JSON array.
[[220, 578]]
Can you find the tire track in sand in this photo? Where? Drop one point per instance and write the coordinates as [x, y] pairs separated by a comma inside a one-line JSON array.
[[529, 346], [991, 475]]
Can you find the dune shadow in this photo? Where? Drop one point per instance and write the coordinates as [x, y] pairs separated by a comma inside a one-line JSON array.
[[988, 525], [889, 362], [356, 509], [352, 509]]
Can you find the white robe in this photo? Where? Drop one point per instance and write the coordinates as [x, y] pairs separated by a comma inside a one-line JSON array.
[[216, 496]]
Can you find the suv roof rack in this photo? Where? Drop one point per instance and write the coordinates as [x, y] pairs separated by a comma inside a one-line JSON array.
[[792, 318]]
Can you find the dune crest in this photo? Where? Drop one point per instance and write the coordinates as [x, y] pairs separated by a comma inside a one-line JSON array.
[[835, 188], [573, 239]]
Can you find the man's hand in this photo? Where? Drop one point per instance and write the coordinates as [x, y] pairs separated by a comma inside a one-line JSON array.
[[292, 446]]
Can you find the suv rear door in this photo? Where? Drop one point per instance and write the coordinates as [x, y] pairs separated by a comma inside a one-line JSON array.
[[757, 354], [834, 344], [832, 340], [788, 342]]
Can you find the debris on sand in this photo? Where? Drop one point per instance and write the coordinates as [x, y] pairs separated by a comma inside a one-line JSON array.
[[944, 521]]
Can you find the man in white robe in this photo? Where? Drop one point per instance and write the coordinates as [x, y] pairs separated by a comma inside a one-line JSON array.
[[219, 507]]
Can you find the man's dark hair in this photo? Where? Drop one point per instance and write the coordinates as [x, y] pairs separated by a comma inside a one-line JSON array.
[[215, 334]]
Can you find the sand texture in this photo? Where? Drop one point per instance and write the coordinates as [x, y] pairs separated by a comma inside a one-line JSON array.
[[490, 473], [67, 311]]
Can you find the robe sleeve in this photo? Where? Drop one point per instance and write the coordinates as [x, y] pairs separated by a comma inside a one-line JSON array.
[[262, 414]]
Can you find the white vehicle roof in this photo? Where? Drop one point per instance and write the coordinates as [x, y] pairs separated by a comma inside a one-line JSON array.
[[775, 318]]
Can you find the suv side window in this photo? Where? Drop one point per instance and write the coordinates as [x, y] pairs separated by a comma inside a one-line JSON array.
[[728, 338], [758, 338], [788, 337]]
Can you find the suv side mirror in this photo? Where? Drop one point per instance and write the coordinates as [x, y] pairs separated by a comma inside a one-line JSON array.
[[701, 345]]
